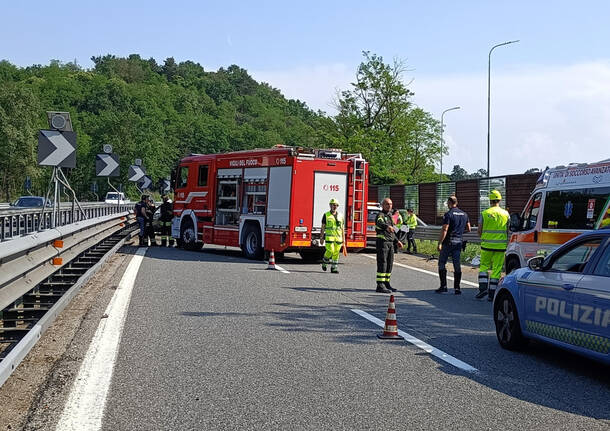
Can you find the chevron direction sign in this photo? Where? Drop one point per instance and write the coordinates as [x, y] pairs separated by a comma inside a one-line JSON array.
[[164, 185], [145, 182], [136, 173], [107, 165], [57, 148]]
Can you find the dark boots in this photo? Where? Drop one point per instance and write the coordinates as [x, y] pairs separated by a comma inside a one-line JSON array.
[[381, 288], [457, 278], [387, 286], [141, 243], [442, 274]]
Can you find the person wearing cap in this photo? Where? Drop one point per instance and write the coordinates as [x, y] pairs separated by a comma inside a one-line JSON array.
[[140, 211], [411, 222], [333, 227], [165, 220], [386, 239], [493, 230], [455, 223]]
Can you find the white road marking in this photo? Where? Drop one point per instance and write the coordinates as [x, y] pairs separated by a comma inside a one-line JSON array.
[[85, 407], [422, 345], [279, 268], [469, 283]]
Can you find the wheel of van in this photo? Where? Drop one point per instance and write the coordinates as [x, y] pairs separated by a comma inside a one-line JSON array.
[[506, 318], [252, 245], [512, 264], [188, 236], [312, 255]]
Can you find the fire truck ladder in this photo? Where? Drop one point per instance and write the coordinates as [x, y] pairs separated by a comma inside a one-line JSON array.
[[358, 203]]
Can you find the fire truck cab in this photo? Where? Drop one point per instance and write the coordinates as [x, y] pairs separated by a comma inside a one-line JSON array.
[[268, 199], [566, 202]]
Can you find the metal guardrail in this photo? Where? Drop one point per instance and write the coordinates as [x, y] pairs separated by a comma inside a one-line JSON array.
[[30, 262], [431, 233], [16, 222]]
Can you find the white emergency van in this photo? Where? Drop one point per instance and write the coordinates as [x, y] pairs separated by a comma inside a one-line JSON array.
[[565, 202]]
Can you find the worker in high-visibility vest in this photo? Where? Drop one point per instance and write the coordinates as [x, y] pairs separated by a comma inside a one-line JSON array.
[[333, 227], [493, 230], [411, 222], [401, 235], [386, 240]]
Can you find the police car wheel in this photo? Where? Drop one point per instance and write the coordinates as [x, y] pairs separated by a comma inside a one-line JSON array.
[[506, 318]]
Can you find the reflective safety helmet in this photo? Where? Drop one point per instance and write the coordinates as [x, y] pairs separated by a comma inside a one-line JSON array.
[[495, 195], [333, 201]]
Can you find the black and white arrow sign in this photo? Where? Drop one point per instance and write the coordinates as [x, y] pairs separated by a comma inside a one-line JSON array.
[[57, 148], [165, 186], [145, 182], [136, 173], [107, 165]]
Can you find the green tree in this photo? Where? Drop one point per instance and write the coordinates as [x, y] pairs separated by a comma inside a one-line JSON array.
[[376, 118], [19, 116]]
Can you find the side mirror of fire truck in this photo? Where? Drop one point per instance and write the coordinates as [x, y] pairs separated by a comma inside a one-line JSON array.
[[173, 178]]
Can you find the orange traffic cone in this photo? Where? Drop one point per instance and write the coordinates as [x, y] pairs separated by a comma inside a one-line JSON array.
[[390, 332], [271, 260]]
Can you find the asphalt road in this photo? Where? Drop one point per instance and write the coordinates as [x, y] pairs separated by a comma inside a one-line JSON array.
[[214, 341]]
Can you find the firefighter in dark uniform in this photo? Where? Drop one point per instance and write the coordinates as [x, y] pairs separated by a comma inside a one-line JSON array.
[[386, 238], [150, 229], [165, 219]]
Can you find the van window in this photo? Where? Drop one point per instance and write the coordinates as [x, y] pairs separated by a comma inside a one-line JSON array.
[[574, 209], [203, 176], [183, 176], [530, 215]]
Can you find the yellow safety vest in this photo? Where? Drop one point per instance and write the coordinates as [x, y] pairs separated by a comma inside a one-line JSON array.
[[412, 221], [334, 228], [494, 235]]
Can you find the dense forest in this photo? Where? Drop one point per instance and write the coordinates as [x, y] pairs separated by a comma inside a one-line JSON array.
[[160, 113]]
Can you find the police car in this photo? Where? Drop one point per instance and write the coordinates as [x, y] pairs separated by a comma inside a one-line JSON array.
[[562, 299]]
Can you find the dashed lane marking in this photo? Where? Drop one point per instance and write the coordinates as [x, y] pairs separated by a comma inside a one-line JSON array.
[[85, 407], [421, 344], [469, 283]]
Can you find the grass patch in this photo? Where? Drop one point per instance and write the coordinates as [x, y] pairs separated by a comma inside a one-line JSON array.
[[429, 248]]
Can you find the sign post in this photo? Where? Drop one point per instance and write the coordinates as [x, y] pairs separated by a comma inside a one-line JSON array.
[[107, 165]]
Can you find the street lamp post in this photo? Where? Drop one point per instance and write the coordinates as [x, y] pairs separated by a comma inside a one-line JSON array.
[[442, 140], [488, 94]]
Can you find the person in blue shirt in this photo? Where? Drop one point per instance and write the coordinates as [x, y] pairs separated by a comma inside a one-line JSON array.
[[455, 222]]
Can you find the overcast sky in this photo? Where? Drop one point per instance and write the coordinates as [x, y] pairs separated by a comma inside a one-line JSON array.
[[550, 93]]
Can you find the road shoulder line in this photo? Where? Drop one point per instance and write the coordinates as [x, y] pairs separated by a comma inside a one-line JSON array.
[[421, 344], [86, 402]]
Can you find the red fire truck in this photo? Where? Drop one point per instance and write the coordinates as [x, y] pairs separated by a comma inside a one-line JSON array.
[[268, 199]]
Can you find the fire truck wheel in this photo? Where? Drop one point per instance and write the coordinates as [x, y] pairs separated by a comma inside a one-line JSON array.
[[252, 245], [188, 237]]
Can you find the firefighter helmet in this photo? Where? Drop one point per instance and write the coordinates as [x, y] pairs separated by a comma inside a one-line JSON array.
[[495, 195], [334, 201]]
